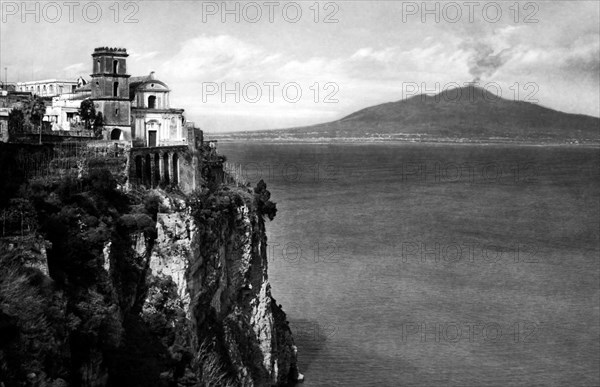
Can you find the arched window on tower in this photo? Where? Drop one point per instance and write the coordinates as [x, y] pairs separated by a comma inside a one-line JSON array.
[[152, 102], [116, 89], [115, 66]]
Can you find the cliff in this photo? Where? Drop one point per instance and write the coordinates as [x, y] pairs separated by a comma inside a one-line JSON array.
[[149, 288]]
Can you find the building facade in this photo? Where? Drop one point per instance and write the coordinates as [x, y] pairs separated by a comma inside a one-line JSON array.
[[110, 91], [48, 87], [4, 112], [154, 122], [135, 109], [64, 112]]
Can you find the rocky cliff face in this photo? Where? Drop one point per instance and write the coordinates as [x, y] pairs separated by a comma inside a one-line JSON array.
[[155, 290], [218, 265]]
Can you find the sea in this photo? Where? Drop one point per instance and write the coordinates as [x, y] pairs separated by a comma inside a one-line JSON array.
[[415, 264]]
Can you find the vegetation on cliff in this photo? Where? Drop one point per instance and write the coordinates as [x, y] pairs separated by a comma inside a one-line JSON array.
[[69, 312], [80, 303]]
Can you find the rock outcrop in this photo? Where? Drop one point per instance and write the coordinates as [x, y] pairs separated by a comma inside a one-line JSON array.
[[217, 262]]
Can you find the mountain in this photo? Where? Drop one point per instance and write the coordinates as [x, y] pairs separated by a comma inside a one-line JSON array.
[[467, 114]]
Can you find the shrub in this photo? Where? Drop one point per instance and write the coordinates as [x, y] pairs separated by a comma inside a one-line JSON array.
[[152, 205], [263, 204], [102, 181]]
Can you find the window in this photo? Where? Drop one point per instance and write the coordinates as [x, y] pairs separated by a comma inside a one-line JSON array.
[[152, 102], [115, 66], [116, 111], [116, 89]]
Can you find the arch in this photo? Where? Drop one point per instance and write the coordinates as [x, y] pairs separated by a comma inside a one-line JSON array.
[[115, 89], [152, 102], [166, 168], [175, 168], [138, 169], [115, 134], [147, 171]]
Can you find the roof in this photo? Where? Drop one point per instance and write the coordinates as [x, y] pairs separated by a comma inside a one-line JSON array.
[[86, 87], [47, 81], [139, 81], [134, 84]]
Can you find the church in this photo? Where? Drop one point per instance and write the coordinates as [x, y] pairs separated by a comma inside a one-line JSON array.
[[135, 109]]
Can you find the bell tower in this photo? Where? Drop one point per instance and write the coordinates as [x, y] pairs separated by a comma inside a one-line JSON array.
[[110, 90]]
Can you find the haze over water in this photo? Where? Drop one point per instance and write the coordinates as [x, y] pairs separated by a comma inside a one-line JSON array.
[[506, 291]]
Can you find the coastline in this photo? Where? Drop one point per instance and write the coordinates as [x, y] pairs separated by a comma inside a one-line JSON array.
[[363, 141]]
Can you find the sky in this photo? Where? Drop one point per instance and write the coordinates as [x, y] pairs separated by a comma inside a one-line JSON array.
[[267, 64]]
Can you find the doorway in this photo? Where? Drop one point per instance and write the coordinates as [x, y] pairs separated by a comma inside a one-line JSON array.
[[151, 138]]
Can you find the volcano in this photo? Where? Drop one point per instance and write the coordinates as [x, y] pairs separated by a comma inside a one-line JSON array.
[[466, 114]]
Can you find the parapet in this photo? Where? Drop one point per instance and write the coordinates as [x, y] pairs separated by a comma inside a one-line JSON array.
[[110, 51]]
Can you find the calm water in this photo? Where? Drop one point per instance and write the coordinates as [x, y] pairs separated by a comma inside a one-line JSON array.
[[435, 265]]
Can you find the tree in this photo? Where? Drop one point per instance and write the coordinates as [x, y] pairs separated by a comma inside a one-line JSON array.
[[98, 124], [16, 121], [87, 111], [36, 109], [264, 205]]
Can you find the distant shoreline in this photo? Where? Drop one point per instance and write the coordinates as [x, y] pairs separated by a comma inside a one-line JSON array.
[[363, 141]]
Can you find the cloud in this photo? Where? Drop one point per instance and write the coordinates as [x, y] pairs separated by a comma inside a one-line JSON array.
[[217, 58], [440, 60], [487, 53], [76, 68], [483, 62], [137, 57], [577, 59], [366, 76]]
